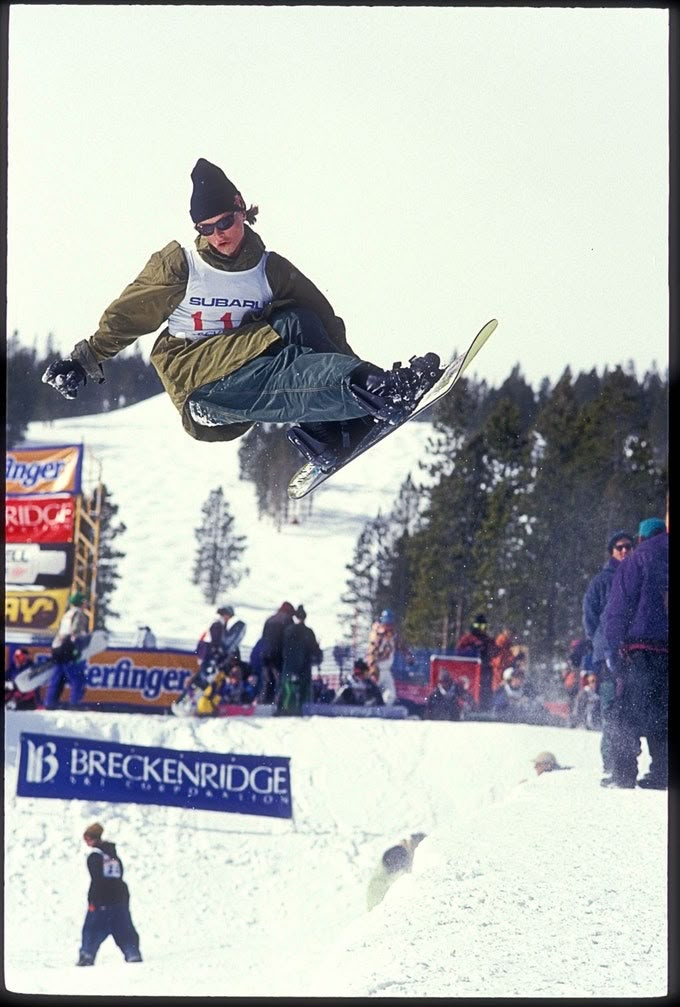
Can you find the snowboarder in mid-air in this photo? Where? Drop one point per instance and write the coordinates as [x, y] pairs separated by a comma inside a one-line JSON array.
[[248, 338]]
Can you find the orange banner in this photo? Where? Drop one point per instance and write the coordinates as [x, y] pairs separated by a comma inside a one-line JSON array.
[[44, 470], [35, 610]]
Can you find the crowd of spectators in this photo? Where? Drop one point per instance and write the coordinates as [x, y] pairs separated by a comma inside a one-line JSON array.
[[615, 680]]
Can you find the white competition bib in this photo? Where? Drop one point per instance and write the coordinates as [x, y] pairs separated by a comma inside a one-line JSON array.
[[216, 301]]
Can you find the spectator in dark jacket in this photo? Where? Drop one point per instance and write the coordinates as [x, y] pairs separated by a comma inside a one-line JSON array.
[[15, 700], [108, 910], [477, 643], [637, 641], [300, 651], [445, 702], [595, 599], [272, 650], [360, 690]]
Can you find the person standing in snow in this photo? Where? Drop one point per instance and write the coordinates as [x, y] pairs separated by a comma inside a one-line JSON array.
[[380, 654], [636, 630], [248, 338], [108, 897], [213, 643], [477, 643], [619, 545], [69, 668], [271, 651], [300, 650]]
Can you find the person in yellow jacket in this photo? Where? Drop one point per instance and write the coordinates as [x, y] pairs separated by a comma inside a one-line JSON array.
[[247, 338], [394, 863]]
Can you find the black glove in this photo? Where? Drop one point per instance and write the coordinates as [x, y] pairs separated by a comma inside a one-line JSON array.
[[66, 376]]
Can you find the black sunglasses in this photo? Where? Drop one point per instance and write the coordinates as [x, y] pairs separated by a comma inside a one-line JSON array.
[[223, 224], [623, 545]]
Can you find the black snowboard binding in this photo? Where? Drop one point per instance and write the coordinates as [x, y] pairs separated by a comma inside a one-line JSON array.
[[323, 443], [391, 395]]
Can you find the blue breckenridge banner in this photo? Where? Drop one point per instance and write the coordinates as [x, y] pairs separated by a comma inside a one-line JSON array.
[[68, 768]]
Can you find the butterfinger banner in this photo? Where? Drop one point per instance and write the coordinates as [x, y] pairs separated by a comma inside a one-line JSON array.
[[35, 610], [44, 470]]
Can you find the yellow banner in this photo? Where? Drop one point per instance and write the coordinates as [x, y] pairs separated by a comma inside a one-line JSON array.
[[35, 610], [44, 470]]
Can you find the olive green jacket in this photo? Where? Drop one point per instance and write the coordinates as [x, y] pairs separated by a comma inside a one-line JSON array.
[[184, 366]]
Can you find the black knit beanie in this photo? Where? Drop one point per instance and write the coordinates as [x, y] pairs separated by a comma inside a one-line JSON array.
[[213, 193]]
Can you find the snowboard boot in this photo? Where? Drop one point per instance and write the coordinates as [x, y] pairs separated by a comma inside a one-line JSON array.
[[133, 957], [85, 959], [388, 395], [322, 443]]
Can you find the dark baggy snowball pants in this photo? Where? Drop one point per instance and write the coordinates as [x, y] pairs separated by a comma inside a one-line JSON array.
[[305, 381], [640, 709], [102, 921]]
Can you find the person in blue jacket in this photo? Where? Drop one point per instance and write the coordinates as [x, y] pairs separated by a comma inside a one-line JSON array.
[[636, 631], [620, 545], [108, 898]]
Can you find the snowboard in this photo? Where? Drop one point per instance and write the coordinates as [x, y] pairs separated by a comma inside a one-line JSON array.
[[33, 678], [311, 475], [185, 706]]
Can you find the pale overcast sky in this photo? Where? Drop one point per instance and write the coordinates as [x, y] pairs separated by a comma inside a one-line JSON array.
[[428, 168]]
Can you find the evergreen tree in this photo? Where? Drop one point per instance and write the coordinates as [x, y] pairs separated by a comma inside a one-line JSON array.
[[498, 552], [109, 554], [21, 367], [267, 457], [369, 577], [216, 566]]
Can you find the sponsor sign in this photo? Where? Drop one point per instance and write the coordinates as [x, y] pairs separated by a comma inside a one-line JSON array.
[[30, 563], [139, 678], [82, 769], [44, 470], [40, 519], [465, 670], [35, 611]]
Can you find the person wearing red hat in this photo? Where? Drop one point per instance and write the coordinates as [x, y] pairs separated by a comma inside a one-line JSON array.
[[247, 338]]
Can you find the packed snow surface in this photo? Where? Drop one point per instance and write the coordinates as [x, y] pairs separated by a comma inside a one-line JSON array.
[[551, 887]]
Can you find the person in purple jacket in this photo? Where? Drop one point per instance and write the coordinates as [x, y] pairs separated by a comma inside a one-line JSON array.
[[636, 630]]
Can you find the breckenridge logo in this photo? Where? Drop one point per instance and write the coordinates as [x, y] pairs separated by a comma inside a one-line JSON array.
[[42, 762], [81, 768]]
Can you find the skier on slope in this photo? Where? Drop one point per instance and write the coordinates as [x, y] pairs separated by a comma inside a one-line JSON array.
[[248, 338]]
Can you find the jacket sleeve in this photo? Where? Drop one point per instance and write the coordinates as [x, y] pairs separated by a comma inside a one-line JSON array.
[[288, 283], [622, 602], [143, 307], [592, 609]]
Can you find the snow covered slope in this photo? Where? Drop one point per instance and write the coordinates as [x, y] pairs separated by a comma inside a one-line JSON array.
[[551, 887]]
